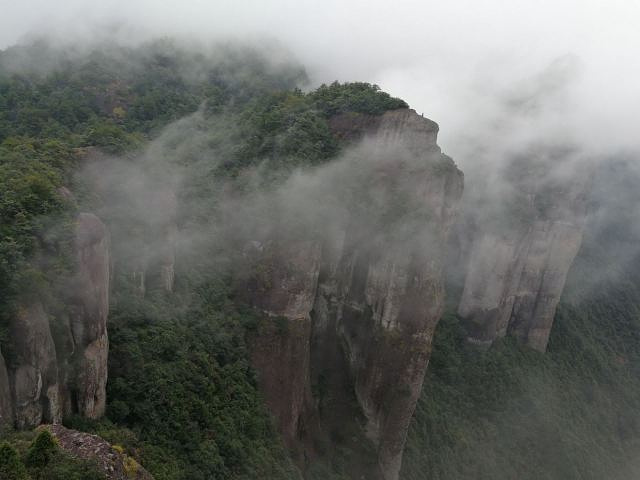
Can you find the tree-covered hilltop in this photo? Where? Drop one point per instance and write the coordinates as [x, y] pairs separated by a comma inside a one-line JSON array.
[[113, 97], [182, 397]]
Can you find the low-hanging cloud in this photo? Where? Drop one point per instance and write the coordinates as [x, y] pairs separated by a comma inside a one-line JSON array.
[[499, 77], [462, 63]]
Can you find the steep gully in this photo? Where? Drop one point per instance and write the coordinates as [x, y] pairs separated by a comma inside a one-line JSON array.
[[349, 316]]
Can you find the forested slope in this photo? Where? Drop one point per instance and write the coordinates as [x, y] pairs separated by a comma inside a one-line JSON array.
[[509, 412]]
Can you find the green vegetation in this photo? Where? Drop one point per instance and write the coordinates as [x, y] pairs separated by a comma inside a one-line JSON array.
[[11, 467], [114, 93], [182, 398], [180, 380], [571, 413], [23, 457], [41, 451], [511, 413], [284, 129], [358, 97], [34, 219]]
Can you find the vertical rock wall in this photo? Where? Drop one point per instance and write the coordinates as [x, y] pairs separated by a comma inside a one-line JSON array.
[[34, 372], [59, 366], [516, 273], [283, 286], [6, 406], [89, 307], [372, 285], [391, 289]]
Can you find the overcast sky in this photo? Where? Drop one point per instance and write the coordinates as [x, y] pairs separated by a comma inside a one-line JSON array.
[[510, 67]]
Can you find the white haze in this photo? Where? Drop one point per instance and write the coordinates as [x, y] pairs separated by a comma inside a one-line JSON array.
[[495, 74], [489, 72]]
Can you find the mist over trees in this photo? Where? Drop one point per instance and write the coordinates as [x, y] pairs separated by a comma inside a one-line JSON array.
[[196, 156]]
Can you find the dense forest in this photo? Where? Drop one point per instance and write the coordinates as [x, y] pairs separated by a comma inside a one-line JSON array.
[[116, 126]]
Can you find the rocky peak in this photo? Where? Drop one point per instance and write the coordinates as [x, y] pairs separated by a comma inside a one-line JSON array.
[[396, 127], [358, 307]]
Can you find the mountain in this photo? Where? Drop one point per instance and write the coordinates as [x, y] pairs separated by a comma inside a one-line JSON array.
[[360, 305], [233, 278]]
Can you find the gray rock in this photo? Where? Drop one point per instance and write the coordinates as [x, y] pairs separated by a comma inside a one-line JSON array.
[[516, 274], [374, 283], [48, 379], [35, 371], [283, 285], [111, 460], [6, 405], [390, 286], [89, 306]]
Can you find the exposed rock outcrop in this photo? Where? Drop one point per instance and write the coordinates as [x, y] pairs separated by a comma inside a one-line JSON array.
[[6, 406], [89, 309], [139, 199], [284, 288], [380, 290], [518, 266], [111, 460], [390, 291], [34, 373], [58, 366]]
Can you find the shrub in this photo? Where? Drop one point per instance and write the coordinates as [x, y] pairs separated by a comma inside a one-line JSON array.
[[42, 450], [11, 467]]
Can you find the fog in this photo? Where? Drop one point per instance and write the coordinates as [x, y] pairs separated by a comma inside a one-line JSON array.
[[554, 79], [491, 68]]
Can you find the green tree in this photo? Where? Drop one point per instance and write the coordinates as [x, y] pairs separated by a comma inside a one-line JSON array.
[[11, 467], [42, 450]]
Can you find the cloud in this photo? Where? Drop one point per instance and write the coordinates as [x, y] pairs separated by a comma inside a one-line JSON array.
[[455, 61]]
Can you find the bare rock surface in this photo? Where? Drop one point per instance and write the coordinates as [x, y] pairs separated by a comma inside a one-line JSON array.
[[361, 302], [34, 373], [284, 288], [89, 306], [115, 464], [390, 289], [516, 272], [61, 368], [6, 405]]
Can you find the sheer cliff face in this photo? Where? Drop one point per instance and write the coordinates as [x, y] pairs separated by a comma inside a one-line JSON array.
[[89, 304], [59, 366], [284, 287], [35, 383], [389, 294], [517, 268], [370, 288], [6, 406]]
